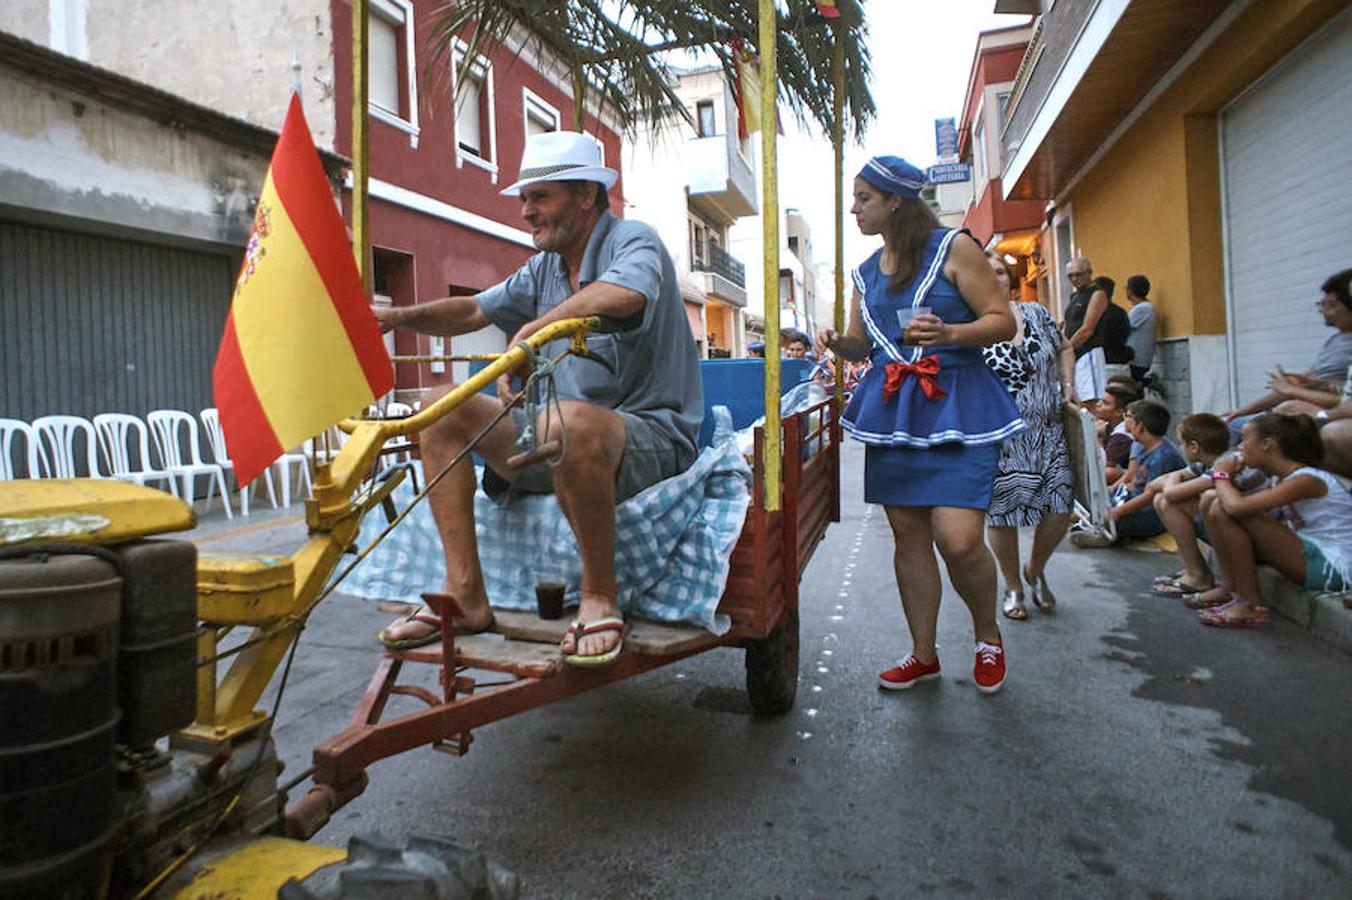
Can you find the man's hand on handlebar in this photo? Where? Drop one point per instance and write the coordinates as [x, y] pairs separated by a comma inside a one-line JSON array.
[[384, 318], [508, 387]]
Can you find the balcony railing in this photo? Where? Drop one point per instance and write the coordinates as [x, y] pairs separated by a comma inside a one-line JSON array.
[[720, 262]]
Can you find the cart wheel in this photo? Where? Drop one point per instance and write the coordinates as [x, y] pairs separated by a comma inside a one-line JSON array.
[[772, 668]]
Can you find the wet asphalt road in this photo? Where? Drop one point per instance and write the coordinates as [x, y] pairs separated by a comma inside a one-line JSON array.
[[1132, 753]]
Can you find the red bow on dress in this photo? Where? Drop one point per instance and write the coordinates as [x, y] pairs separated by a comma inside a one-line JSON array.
[[924, 371]]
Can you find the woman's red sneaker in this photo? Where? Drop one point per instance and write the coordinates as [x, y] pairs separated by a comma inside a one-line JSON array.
[[907, 673], [989, 670]]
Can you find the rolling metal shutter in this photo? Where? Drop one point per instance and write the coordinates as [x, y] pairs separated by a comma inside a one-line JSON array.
[[1287, 157], [92, 324]]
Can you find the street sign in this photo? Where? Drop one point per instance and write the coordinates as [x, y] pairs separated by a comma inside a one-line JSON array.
[[948, 173], [946, 139]]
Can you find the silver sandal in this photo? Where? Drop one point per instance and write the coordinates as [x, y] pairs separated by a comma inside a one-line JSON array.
[[1013, 607], [1040, 593]]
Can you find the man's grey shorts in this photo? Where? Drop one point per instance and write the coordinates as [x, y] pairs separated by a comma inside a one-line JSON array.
[[650, 456]]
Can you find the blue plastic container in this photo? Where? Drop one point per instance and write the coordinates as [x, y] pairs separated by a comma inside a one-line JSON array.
[[738, 384]]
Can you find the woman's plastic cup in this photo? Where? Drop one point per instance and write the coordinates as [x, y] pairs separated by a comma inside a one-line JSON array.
[[906, 316], [549, 599]]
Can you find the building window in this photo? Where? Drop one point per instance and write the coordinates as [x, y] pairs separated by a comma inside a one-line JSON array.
[[392, 83], [540, 116], [704, 118], [979, 153], [476, 136], [1002, 103]]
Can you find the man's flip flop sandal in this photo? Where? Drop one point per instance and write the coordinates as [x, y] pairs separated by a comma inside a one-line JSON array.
[[1177, 588], [579, 631], [421, 614]]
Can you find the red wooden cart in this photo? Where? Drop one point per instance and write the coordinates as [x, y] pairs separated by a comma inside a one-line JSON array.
[[761, 599]]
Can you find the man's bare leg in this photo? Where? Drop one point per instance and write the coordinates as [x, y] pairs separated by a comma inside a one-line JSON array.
[[452, 505], [584, 482]]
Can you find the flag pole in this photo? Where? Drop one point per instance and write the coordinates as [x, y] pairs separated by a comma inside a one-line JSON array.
[[838, 145], [769, 85], [361, 236]]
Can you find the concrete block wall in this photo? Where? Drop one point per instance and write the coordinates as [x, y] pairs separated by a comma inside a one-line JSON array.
[[1173, 370]]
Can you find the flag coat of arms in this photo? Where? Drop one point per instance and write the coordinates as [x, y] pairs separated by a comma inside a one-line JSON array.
[[301, 349]]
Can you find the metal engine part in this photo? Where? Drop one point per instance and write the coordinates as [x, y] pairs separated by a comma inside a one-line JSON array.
[[425, 869]]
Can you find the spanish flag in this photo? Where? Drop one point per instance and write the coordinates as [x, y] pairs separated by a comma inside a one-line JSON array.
[[301, 350]]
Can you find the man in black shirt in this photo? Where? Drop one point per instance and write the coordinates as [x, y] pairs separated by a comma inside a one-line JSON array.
[[1087, 305]]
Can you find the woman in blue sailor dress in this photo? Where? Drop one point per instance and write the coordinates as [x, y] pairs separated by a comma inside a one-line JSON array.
[[931, 414]]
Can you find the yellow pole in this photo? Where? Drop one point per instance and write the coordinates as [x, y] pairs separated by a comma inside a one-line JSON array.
[[361, 236], [769, 78], [838, 144]]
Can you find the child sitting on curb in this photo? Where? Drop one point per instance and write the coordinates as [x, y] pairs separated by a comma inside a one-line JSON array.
[[1202, 437], [1312, 546]]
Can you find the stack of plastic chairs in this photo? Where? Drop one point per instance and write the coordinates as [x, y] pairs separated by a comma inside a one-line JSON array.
[[211, 421], [67, 446], [121, 435], [167, 427], [12, 432]]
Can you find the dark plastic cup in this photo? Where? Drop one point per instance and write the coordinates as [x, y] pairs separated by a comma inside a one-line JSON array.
[[549, 599]]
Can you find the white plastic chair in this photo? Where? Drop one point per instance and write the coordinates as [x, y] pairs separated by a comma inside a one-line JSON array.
[[10, 429], [317, 450], [166, 426], [211, 421], [300, 458], [59, 446], [398, 449], [126, 444]]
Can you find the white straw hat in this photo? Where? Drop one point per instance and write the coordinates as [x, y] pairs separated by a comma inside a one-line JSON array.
[[561, 156]]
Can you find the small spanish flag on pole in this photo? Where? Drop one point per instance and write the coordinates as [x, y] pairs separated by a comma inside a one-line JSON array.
[[301, 350]]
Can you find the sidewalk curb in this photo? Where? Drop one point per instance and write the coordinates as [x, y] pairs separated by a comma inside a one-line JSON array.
[[1323, 615]]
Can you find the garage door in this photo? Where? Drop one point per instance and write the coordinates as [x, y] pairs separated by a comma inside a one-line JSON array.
[[1287, 156], [91, 324]]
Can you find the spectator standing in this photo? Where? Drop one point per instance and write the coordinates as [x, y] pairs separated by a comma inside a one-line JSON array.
[[931, 414], [1088, 303], [1141, 316], [1033, 486], [796, 344]]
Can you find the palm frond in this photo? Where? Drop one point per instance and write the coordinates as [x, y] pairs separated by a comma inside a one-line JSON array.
[[619, 46]]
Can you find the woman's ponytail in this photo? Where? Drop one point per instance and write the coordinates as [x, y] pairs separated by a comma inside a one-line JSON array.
[[1296, 436]]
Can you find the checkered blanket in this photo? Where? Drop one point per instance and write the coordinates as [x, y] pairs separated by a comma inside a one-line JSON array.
[[673, 546]]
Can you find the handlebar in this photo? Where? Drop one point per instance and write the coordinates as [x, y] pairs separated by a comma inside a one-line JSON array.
[[576, 329]]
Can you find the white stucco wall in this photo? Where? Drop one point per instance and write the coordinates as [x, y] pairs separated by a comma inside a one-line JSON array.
[[65, 154], [232, 57]]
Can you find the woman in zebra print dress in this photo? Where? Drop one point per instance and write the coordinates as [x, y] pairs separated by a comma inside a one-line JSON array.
[[1033, 484]]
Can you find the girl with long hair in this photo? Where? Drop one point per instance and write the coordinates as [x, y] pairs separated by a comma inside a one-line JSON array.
[[931, 415], [1311, 544]]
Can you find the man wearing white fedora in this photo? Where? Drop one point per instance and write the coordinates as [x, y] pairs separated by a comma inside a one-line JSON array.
[[625, 429]]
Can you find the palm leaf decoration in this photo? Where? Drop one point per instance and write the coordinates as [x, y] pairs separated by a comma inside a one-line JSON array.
[[616, 49]]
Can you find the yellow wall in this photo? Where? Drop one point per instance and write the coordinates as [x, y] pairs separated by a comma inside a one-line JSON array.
[[1151, 205]]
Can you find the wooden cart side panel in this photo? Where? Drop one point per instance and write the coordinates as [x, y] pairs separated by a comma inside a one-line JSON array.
[[774, 547]]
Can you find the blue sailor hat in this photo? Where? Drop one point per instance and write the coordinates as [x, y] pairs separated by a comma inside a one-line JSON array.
[[893, 175]]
